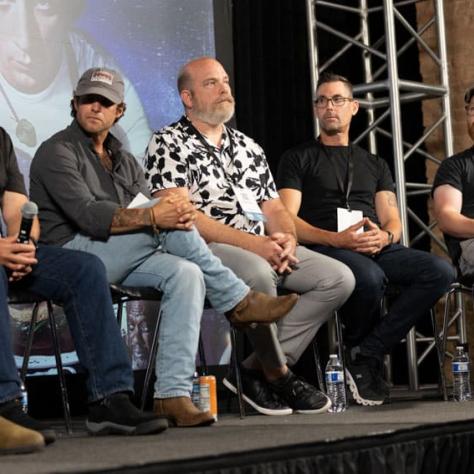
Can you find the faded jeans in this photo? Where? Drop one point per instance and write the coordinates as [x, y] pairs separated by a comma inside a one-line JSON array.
[[179, 264]]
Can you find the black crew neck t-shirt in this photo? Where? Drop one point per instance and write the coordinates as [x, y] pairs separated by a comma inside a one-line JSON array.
[[458, 172], [311, 169]]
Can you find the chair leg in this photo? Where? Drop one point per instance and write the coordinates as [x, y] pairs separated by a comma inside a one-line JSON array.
[[340, 346], [439, 352], [29, 342], [238, 379], [447, 310], [151, 361], [120, 313], [59, 366], [317, 363], [202, 356]]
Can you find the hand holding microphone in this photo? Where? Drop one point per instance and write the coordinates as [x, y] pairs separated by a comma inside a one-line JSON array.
[[21, 258], [29, 211]]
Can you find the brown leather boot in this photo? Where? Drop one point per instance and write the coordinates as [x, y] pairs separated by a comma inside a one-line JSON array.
[[181, 411], [15, 439], [259, 307]]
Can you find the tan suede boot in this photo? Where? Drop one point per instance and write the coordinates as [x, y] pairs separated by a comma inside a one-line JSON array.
[[181, 412], [14, 439], [259, 307]]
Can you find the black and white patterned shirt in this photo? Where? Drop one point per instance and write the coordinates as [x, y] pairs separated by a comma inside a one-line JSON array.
[[178, 156]]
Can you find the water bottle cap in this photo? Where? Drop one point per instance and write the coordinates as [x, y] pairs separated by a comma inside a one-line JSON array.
[[332, 356], [460, 347]]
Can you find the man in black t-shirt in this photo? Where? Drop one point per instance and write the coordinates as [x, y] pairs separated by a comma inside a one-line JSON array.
[[453, 190], [343, 202], [78, 282]]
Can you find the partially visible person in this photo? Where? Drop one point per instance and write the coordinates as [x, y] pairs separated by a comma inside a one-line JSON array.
[[84, 183], [453, 195], [77, 281], [343, 204], [42, 56], [248, 228]]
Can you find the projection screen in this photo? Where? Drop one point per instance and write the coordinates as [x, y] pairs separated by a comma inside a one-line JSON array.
[[45, 45]]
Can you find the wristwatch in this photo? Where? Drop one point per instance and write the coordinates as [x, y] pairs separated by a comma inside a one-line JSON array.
[[390, 237]]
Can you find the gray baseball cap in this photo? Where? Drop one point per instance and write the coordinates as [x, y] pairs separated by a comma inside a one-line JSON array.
[[468, 94], [101, 81]]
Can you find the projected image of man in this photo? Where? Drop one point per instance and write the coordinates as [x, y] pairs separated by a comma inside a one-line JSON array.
[[41, 59]]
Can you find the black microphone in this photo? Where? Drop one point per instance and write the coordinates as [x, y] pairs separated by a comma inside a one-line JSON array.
[[29, 211]]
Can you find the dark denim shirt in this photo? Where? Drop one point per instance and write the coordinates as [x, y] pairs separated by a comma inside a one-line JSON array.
[[74, 192]]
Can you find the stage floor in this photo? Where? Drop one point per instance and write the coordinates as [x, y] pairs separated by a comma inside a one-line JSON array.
[[231, 435]]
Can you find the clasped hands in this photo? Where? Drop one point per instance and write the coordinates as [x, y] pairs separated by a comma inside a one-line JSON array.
[[17, 258], [174, 211], [369, 242], [278, 249]]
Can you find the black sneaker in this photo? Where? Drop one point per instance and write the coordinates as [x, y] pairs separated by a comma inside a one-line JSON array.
[[116, 414], [364, 377], [13, 411], [256, 392], [301, 396]]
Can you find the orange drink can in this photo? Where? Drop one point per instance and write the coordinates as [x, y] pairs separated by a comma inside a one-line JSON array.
[[208, 394]]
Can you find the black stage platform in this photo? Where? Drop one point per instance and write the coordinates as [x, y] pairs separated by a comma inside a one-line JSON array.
[[403, 437]]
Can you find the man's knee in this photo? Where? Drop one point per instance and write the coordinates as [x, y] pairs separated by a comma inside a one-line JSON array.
[[438, 273], [254, 270], [188, 274], [370, 280], [345, 281], [261, 277], [85, 265]]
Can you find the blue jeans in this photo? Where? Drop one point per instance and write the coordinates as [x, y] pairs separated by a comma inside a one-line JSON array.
[[77, 281], [180, 264], [421, 277]]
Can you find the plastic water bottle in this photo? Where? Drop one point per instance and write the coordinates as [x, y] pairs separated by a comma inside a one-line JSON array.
[[335, 384], [23, 398], [461, 379], [196, 391]]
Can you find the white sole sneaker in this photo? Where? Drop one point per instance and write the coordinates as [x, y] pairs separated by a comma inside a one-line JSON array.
[[323, 409], [262, 410], [355, 393]]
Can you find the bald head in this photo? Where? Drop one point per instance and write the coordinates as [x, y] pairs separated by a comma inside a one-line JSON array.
[[203, 85], [186, 73]]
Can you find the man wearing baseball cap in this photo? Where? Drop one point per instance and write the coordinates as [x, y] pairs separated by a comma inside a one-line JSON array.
[[453, 194], [84, 183]]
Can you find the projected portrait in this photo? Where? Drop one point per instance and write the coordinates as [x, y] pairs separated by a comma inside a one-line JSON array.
[[46, 45]]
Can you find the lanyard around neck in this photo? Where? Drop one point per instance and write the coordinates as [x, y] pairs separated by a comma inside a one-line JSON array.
[[211, 150], [344, 186]]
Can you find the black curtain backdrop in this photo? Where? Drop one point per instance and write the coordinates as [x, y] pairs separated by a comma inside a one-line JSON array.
[[272, 81], [273, 91]]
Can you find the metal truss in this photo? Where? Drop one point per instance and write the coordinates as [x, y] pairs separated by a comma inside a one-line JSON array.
[[383, 94]]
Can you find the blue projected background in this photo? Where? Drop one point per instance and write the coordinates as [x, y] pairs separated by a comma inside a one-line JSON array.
[[156, 39], [45, 45]]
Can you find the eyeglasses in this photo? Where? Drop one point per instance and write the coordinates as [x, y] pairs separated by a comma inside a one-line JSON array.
[[322, 101], [470, 110]]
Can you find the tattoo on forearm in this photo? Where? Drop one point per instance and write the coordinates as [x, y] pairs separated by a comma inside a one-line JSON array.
[[131, 218]]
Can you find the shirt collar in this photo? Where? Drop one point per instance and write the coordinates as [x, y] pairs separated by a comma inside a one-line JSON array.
[[189, 128], [111, 143]]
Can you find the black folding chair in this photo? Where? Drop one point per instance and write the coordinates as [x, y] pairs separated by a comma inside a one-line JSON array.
[[18, 296]]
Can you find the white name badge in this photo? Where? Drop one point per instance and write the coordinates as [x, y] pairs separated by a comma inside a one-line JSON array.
[[346, 218], [249, 204]]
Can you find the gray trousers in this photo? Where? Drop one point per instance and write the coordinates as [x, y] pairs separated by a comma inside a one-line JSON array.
[[323, 283]]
